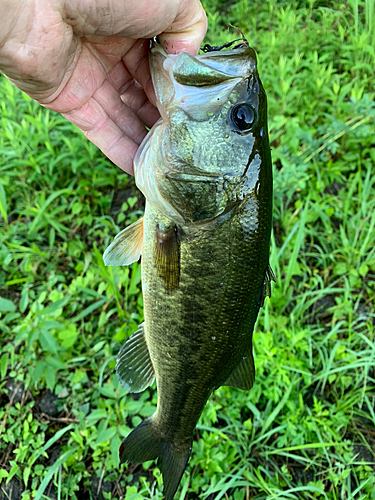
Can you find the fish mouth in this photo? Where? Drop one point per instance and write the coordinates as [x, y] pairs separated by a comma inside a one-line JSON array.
[[177, 77], [238, 61]]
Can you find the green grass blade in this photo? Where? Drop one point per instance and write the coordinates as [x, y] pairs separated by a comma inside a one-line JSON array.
[[3, 203], [50, 442], [51, 471], [300, 236], [45, 205]]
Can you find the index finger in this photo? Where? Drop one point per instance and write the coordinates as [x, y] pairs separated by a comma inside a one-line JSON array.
[[182, 22]]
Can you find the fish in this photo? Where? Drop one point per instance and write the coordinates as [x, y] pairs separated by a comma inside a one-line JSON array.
[[206, 173]]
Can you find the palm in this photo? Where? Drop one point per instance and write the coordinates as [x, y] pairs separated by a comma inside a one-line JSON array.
[[105, 96], [88, 59]]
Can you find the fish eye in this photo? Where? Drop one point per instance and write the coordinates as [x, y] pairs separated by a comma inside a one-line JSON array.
[[243, 116]]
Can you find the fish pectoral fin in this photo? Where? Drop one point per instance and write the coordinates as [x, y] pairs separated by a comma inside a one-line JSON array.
[[134, 367], [126, 248], [243, 376]]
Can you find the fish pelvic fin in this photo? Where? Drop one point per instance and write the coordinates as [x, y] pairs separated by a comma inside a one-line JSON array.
[[134, 366], [126, 248], [243, 375], [145, 443]]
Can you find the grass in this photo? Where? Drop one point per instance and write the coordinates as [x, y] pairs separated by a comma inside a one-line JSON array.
[[307, 428]]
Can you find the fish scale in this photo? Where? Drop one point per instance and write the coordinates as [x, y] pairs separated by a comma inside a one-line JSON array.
[[205, 170]]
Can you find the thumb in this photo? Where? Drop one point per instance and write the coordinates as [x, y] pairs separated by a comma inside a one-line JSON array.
[[187, 30]]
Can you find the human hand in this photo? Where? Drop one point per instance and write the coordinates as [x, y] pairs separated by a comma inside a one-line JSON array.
[[88, 59]]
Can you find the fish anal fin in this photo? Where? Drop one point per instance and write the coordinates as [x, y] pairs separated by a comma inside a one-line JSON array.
[[134, 367], [167, 256], [143, 444], [126, 248], [243, 375]]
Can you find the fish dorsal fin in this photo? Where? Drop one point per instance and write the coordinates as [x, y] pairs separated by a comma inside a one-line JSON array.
[[134, 367], [243, 376], [266, 291], [126, 248]]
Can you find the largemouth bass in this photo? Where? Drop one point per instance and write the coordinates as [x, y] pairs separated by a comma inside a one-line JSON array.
[[205, 170]]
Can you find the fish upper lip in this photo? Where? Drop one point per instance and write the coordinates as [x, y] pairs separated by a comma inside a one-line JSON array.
[[156, 46], [247, 66], [177, 76]]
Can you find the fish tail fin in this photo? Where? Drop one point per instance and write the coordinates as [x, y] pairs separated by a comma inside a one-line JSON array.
[[172, 463], [146, 443]]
